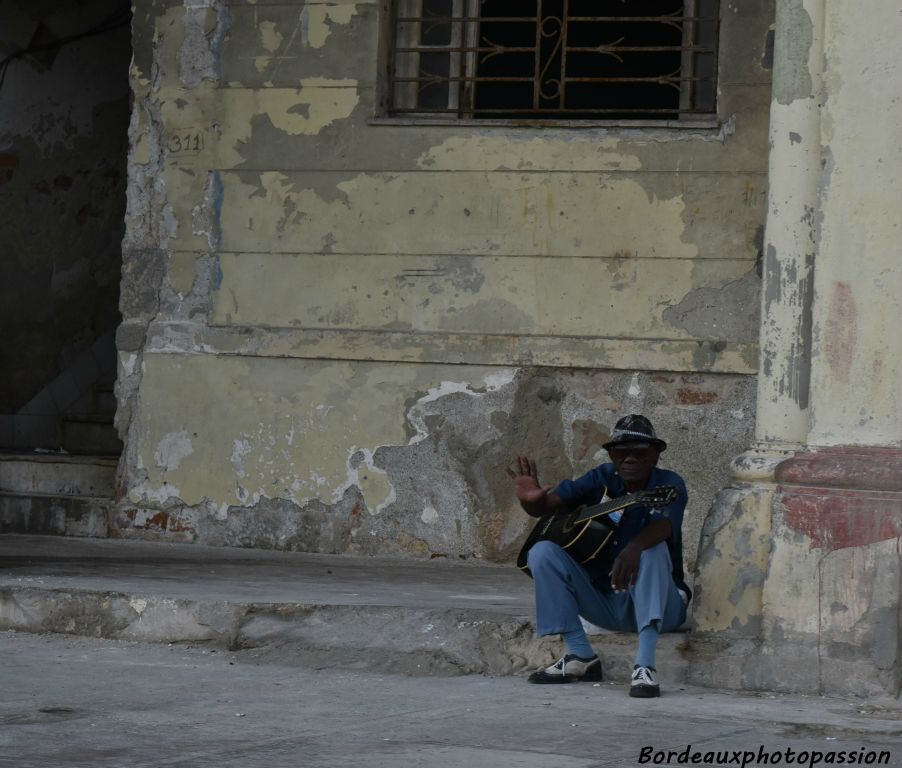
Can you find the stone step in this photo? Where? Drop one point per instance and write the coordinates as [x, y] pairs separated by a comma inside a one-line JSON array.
[[378, 614], [389, 639], [55, 515], [57, 474]]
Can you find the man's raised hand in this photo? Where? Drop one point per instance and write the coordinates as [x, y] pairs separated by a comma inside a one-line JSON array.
[[526, 481]]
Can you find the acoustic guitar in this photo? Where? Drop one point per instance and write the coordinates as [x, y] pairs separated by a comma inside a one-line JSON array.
[[585, 531]]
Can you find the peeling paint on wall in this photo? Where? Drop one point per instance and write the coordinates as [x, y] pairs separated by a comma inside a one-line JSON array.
[[317, 22], [430, 484], [719, 312], [171, 450], [204, 27], [733, 558], [791, 52], [317, 288]]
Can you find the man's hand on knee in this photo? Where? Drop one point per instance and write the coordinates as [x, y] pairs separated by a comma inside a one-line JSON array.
[[626, 567]]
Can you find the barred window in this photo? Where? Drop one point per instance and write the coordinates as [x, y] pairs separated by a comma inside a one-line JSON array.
[[554, 59]]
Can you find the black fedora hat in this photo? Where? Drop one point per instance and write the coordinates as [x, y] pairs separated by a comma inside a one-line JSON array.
[[634, 429]]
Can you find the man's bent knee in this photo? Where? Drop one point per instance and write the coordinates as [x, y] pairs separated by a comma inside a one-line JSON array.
[[543, 552]]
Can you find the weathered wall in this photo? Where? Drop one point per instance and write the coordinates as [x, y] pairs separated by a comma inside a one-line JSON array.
[[402, 458], [364, 321], [838, 522], [63, 147], [800, 564]]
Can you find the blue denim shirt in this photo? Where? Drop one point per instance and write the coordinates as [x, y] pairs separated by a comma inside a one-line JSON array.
[[590, 489]]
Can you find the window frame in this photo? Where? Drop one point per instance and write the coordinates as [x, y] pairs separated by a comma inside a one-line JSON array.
[[390, 114]]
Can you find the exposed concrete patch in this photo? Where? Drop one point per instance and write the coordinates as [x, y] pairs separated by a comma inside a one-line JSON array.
[[267, 524], [587, 440], [207, 216], [798, 372], [266, 139], [749, 575], [205, 27], [452, 427], [186, 296], [150, 225], [142, 278], [792, 49], [172, 449], [281, 524], [723, 312]]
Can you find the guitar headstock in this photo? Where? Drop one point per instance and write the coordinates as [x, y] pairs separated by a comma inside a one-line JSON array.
[[657, 497]]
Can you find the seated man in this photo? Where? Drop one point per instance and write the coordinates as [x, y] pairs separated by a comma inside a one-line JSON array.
[[636, 582]]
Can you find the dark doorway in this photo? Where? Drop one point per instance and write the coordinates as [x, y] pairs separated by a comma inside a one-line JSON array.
[[64, 116]]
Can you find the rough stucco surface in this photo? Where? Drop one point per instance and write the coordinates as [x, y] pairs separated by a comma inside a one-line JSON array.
[[369, 457], [793, 45], [261, 126], [364, 323], [733, 559]]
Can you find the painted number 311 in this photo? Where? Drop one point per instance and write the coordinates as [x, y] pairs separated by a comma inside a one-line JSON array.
[[188, 141]]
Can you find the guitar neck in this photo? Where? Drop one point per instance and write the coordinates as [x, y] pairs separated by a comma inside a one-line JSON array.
[[606, 507]]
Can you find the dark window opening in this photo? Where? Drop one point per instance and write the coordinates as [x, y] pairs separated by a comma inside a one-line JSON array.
[[555, 59]]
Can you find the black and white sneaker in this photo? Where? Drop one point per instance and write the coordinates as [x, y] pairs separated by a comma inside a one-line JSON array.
[[570, 669], [644, 684]]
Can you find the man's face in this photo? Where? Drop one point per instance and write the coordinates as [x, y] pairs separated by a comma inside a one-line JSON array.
[[634, 462]]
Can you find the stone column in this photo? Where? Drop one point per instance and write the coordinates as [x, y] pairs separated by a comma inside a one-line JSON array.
[[799, 569], [794, 172], [833, 585], [733, 555]]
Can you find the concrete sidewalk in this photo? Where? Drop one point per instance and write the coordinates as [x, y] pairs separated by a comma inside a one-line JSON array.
[[74, 702], [121, 653], [379, 614]]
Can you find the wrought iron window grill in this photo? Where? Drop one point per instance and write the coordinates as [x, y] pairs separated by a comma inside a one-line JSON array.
[[554, 59]]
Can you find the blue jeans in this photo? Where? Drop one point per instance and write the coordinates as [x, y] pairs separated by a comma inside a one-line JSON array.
[[564, 592]]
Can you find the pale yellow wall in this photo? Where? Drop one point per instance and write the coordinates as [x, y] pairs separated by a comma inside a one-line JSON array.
[[592, 233], [317, 276], [395, 457]]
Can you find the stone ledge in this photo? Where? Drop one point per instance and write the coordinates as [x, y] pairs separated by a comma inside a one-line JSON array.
[[392, 639]]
